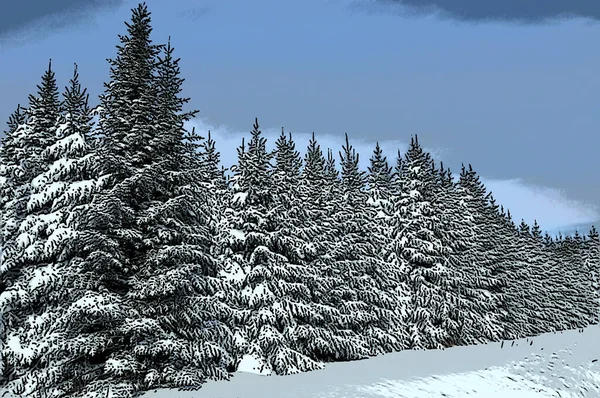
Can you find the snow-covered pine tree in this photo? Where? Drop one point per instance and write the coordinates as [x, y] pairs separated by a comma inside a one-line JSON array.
[[176, 288], [49, 293], [365, 294], [29, 134], [331, 177], [592, 258], [211, 163], [380, 176], [10, 173], [286, 170], [483, 259], [10, 211], [113, 330], [118, 347], [467, 295], [579, 294], [263, 282], [379, 189], [416, 242], [290, 218], [313, 175]]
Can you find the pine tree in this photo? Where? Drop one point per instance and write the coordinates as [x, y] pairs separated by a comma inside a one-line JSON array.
[[29, 134], [48, 290], [211, 163], [116, 340], [332, 184], [111, 336], [487, 255], [469, 282], [313, 174], [380, 176], [10, 173], [353, 179], [176, 287], [592, 258], [269, 285], [129, 101], [10, 211], [418, 247], [286, 171], [27, 137], [331, 173]]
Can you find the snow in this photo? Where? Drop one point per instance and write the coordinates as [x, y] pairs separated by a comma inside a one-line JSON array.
[[14, 346], [240, 198], [238, 234], [250, 364], [554, 364], [42, 276]]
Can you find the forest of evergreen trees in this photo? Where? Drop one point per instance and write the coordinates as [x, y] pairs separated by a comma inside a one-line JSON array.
[[131, 259]]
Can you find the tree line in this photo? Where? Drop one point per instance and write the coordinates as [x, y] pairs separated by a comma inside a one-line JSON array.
[[131, 261]]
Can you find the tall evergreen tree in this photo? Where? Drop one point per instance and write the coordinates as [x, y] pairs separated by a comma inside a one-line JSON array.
[[29, 134], [176, 285], [11, 211], [380, 175], [267, 276], [592, 257], [211, 163], [353, 179], [114, 334], [27, 138], [469, 282], [417, 245], [313, 174], [48, 289]]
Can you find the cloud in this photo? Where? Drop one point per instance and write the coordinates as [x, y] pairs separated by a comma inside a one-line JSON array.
[[227, 142], [552, 208], [19, 16], [508, 11]]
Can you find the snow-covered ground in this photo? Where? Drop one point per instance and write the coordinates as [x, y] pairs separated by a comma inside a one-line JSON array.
[[554, 365]]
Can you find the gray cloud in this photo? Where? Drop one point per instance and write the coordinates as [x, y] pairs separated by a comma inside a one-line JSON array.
[[20, 15], [508, 11]]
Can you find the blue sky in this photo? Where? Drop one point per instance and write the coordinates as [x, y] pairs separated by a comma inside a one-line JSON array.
[[511, 89]]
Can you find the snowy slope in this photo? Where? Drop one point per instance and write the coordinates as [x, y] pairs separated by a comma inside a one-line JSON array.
[[555, 365]]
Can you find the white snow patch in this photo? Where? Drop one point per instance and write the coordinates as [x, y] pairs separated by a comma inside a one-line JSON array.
[[554, 364], [250, 364], [240, 197], [42, 276], [239, 234]]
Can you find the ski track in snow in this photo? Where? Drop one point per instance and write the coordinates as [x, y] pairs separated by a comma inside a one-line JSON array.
[[554, 364]]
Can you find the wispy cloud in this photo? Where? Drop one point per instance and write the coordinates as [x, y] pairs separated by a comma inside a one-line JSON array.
[[228, 141], [506, 11], [552, 208]]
